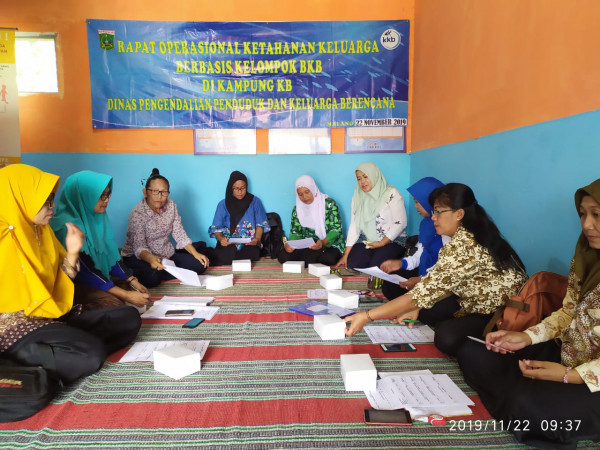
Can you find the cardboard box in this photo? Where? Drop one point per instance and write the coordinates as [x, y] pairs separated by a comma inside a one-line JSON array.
[[345, 299], [241, 265], [176, 361], [293, 266], [330, 327], [331, 281], [358, 372], [319, 269], [218, 283]]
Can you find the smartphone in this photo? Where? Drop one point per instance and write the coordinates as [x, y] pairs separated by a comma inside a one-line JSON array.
[[398, 348], [383, 417], [193, 323], [180, 312]]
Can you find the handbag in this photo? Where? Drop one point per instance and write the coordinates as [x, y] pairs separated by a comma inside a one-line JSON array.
[[24, 390]]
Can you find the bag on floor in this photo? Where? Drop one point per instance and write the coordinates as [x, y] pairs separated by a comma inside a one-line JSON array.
[[24, 390], [272, 241], [539, 297]]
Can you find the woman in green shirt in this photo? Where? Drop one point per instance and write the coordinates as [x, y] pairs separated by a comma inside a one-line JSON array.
[[315, 216]]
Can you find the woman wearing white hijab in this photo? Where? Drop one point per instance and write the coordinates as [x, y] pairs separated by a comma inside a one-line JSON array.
[[315, 216]]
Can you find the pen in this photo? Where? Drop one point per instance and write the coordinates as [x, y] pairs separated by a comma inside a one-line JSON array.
[[408, 320]]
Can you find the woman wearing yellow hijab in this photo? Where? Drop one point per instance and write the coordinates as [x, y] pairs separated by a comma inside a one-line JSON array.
[[38, 326]]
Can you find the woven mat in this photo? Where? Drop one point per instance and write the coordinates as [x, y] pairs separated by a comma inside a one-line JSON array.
[[267, 381]]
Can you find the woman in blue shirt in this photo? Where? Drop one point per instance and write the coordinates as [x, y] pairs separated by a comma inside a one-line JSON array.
[[240, 215]]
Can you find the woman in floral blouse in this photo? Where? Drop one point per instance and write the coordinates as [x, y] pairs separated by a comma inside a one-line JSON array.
[[241, 217], [151, 223], [551, 384], [315, 216], [378, 220], [477, 266]]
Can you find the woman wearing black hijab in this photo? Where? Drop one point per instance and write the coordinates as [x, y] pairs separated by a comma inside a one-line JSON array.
[[239, 223]]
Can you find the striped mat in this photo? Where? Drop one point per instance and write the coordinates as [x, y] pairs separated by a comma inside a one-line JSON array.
[[267, 381]]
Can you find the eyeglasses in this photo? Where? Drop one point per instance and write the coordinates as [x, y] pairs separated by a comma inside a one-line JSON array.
[[239, 189], [105, 196], [50, 201], [436, 212], [156, 192]]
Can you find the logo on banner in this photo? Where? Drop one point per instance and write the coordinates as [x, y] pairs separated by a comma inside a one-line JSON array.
[[390, 39], [107, 39]]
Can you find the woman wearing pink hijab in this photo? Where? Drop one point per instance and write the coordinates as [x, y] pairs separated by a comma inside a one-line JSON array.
[[315, 216]]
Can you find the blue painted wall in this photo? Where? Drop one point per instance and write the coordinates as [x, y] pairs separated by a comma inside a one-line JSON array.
[[526, 178], [198, 182]]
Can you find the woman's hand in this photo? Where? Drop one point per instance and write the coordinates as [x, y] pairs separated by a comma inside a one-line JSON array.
[[254, 241], [224, 241], [342, 263], [288, 248], [510, 340], [410, 315], [139, 286], [155, 262], [317, 245], [549, 371], [410, 283], [202, 258], [137, 298], [74, 240], [357, 323], [391, 265]]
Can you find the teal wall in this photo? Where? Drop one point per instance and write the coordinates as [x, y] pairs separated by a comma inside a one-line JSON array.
[[526, 178], [198, 182]]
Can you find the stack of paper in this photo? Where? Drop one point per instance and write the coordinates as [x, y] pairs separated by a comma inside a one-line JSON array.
[[144, 351], [330, 327], [377, 272], [314, 308], [399, 334], [158, 310], [186, 276]]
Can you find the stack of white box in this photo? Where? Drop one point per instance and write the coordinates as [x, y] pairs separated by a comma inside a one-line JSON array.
[[330, 327], [176, 361], [319, 269], [241, 265], [345, 299], [331, 282], [358, 372], [218, 283], [293, 266]]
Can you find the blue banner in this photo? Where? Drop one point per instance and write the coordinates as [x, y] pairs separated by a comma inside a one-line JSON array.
[[248, 74]]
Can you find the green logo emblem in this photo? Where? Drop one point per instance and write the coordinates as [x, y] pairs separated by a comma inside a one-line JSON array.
[[107, 39]]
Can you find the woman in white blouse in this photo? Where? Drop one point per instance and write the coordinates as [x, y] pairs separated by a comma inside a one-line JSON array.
[[378, 220]]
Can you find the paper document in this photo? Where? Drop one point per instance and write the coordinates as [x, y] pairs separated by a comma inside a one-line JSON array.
[[425, 411], [143, 351], [377, 272], [322, 293], [158, 310], [239, 240], [299, 244], [396, 392], [186, 276], [190, 301], [399, 334]]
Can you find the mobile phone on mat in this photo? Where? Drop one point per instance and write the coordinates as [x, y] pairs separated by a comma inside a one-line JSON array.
[[193, 323], [383, 417], [398, 347]]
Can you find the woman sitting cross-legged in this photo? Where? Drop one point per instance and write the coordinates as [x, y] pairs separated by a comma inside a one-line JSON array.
[[38, 324], [551, 384], [315, 216], [477, 266], [151, 223], [103, 279]]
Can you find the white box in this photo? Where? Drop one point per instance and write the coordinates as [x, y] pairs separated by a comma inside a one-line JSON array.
[[330, 327], [218, 283], [358, 372], [293, 266], [331, 281], [241, 265], [319, 269], [345, 299], [176, 361]]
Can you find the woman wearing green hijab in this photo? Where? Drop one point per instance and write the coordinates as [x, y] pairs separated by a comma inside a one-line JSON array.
[[378, 219], [550, 385], [83, 201]]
